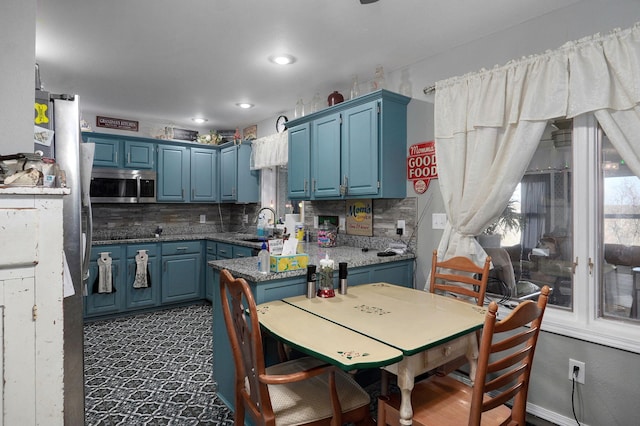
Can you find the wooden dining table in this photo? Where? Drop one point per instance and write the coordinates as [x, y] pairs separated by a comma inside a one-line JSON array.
[[405, 331]]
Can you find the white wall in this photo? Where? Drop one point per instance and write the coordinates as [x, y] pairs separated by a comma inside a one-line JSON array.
[[17, 75]]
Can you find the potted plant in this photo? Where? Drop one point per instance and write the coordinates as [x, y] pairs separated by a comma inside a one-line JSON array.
[[509, 219]]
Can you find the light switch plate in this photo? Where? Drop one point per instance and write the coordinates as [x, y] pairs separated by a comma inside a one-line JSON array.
[[438, 220], [203, 218]]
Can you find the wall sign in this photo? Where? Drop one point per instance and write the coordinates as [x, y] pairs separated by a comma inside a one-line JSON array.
[[421, 165], [359, 217], [185, 135], [116, 123]]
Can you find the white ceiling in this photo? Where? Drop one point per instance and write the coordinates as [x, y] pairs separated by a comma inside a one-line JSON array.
[[171, 60]]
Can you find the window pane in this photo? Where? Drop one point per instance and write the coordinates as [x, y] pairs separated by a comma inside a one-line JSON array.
[[542, 252], [620, 227]]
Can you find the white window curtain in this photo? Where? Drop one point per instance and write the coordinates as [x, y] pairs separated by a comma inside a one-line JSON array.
[[488, 124], [270, 151]]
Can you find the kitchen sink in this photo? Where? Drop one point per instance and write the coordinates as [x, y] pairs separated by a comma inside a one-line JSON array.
[[254, 240]]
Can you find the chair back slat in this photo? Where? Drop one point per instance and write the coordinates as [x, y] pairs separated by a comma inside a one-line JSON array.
[[506, 377], [459, 276]]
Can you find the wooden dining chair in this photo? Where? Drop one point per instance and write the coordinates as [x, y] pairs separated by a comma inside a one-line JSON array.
[[460, 276], [304, 391], [504, 370]]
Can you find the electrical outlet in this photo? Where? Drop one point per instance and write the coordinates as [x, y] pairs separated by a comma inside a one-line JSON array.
[[203, 218], [400, 227], [579, 375], [245, 218]]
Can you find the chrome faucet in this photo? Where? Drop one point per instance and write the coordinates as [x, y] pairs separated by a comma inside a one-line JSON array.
[[271, 210]]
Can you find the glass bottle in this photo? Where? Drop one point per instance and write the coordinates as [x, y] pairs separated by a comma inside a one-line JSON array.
[[355, 88], [299, 111], [378, 79], [405, 83], [315, 103]]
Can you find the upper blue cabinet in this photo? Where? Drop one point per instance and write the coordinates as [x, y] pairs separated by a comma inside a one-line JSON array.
[[121, 152], [356, 149], [237, 181]]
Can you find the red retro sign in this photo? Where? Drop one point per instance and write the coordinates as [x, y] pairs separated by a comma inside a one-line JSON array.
[[421, 165]]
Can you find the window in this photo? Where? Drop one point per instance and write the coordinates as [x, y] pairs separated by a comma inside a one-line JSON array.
[[580, 207]]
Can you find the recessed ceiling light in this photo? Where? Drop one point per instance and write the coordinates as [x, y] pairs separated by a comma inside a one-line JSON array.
[[244, 105], [282, 59], [199, 120]]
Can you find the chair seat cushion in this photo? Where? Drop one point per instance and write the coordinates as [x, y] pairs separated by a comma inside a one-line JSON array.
[[443, 401], [306, 401]]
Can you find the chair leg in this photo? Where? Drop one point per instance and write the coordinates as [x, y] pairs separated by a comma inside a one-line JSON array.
[[382, 421], [384, 382]]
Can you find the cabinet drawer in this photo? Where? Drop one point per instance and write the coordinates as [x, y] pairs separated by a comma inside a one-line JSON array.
[[116, 252], [225, 251], [180, 247], [212, 248], [152, 250]]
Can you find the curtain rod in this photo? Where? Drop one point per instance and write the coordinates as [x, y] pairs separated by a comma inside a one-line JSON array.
[[429, 89]]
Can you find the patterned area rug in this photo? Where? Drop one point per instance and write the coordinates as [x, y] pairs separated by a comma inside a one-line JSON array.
[[152, 369]]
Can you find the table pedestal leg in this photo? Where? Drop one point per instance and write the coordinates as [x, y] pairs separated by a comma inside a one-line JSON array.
[[406, 376]]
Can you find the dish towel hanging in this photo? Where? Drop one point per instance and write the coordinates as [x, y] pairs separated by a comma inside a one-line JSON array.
[[142, 279], [105, 276]]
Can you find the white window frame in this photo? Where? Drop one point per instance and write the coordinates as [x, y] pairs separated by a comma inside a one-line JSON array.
[[582, 322]]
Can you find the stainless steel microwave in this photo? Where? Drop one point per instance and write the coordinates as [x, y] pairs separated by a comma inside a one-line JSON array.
[[122, 186]]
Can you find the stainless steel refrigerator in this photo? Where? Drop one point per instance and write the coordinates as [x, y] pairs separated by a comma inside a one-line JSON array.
[[75, 159]]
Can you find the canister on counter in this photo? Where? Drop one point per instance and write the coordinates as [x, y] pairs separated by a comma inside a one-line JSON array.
[[327, 235], [325, 278], [311, 281]]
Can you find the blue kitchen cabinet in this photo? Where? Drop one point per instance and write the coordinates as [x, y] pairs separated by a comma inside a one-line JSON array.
[[358, 149], [148, 297], [182, 272], [359, 157], [121, 152], [139, 155], [204, 174], [99, 304], [237, 181], [211, 253], [299, 166], [173, 173], [325, 156]]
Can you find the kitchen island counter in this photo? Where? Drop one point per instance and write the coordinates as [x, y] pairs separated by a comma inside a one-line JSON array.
[[354, 257]]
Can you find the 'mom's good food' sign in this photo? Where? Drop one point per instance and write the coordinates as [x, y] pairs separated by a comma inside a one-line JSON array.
[[421, 165]]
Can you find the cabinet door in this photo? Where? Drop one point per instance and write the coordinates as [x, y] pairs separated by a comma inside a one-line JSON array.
[[107, 152], [97, 304], [360, 150], [228, 173], [299, 166], [204, 182], [173, 173], [139, 155], [211, 254], [181, 278], [143, 297], [247, 180], [325, 146]]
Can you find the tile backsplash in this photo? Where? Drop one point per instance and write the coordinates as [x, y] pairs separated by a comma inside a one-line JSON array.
[[141, 220]]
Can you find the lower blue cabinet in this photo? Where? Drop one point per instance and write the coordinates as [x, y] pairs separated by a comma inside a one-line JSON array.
[[110, 302], [182, 272], [143, 297]]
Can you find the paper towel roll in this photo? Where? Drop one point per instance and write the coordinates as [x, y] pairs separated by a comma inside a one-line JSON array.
[[290, 222]]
